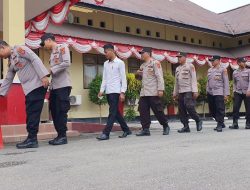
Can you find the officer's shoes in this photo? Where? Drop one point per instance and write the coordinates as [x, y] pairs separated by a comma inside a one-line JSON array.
[[102, 137], [166, 130], [125, 134], [234, 126], [59, 141], [199, 125], [143, 132], [218, 128], [28, 143], [222, 127], [184, 130], [247, 126]]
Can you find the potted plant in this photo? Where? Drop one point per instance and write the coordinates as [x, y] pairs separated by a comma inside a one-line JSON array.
[[202, 89], [229, 102], [133, 89], [168, 94], [132, 93], [94, 89], [130, 113]]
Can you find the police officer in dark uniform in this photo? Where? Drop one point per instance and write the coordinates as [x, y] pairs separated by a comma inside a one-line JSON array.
[[217, 91], [241, 79], [186, 91], [33, 76], [60, 87], [152, 90]]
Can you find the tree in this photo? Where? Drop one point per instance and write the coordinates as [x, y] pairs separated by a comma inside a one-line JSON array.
[[94, 89]]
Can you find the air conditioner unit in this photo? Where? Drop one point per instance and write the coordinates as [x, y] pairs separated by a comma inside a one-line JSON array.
[[75, 100]]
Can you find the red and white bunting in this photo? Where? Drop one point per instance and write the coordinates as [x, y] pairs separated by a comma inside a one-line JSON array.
[[56, 15], [125, 51]]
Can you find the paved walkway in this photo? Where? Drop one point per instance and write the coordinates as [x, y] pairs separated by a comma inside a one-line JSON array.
[[197, 161]]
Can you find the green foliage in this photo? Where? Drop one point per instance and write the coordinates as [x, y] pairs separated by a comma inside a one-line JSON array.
[[202, 85], [229, 102], [169, 88], [94, 89], [133, 92], [130, 114], [134, 87]]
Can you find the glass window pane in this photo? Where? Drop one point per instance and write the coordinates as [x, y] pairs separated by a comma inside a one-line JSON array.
[[89, 59], [89, 74], [100, 70], [101, 59], [174, 67], [133, 65]]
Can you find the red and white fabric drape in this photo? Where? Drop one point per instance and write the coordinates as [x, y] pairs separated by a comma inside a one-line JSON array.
[[98, 2], [126, 51], [55, 15]]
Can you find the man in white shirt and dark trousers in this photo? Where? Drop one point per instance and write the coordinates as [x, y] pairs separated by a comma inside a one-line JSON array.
[[114, 84]]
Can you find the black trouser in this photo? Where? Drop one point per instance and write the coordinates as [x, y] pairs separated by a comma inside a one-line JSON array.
[[238, 98], [114, 114], [59, 107], [155, 103], [34, 104], [186, 105], [216, 106]]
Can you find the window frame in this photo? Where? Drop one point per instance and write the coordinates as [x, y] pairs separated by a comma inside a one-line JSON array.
[[135, 68], [99, 60]]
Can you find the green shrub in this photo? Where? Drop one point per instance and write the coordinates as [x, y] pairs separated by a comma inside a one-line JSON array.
[[169, 80], [229, 102], [202, 88], [134, 87], [130, 113], [94, 89]]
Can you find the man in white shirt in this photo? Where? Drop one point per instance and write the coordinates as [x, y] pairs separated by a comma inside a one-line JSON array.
[[114, 84]]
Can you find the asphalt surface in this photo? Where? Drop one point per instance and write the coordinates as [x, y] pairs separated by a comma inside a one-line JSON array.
[[204, 160]]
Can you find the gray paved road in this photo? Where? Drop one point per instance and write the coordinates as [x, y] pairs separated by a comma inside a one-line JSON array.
[[196, 161]]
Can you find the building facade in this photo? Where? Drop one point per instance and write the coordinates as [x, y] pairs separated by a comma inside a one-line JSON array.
[[167, 27]]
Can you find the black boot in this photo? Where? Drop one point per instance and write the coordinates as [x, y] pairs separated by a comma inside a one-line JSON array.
[[166, 129], [143, 132], [30, 142], [199, 125], [103, 137], [223, 126], [235, 124], [219, 127], [247, 126], [59, 140], [125, 134], [185, 129]]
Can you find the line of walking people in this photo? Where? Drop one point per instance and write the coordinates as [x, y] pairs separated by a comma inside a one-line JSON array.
[[185, 92], [34, 77]]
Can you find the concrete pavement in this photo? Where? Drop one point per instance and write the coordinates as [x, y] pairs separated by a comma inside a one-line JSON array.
[[197, 161]]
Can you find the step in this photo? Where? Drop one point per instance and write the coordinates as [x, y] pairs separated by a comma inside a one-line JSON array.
[[17, 133], [41, 136]]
